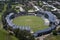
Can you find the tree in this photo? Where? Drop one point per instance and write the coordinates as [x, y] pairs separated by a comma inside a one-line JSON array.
[[54, 32], [38, 2], [23, 35]]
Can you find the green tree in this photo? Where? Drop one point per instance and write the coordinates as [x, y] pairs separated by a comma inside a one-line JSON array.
[[23, 35], [54, 32], [38, 2]]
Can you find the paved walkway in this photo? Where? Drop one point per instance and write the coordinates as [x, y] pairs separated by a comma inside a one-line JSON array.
[[58, 27], [42, 37]]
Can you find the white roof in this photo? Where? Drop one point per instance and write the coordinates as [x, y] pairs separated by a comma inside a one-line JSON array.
[[21, 9]]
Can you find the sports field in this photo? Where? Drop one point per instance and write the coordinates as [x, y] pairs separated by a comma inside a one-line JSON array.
[[36, 23]]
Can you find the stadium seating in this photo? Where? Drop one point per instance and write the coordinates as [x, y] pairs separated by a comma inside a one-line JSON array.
[[51, 18]]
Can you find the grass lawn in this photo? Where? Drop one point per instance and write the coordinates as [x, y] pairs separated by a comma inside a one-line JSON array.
[[36, 23], [52, 37], [5, 36]]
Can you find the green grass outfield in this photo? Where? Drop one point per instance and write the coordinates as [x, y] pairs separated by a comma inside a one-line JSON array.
[[36, 23]]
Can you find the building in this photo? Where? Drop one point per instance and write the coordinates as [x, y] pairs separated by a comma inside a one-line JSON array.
[[3, 0]]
